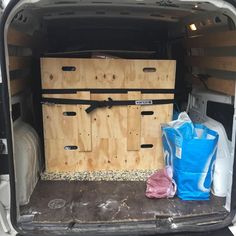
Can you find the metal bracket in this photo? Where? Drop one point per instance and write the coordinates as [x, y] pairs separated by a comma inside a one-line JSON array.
[[3, 146]]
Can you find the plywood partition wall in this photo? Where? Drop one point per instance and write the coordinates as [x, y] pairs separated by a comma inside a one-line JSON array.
[[119, 138]]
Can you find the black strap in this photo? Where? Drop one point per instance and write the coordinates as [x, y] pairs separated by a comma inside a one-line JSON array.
[[94, 104], [104, 90]]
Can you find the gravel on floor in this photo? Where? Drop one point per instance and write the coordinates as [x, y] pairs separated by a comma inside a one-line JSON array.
[[138, 175]]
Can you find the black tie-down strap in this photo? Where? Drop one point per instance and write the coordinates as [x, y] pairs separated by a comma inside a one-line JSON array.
[[94, 104]]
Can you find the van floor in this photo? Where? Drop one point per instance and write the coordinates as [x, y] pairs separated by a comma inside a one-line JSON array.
[[90, 201]]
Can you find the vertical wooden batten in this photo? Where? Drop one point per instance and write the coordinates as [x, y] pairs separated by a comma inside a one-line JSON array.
[[84, 125], [134, 123]]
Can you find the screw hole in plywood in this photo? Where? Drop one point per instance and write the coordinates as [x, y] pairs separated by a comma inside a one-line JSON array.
[[147, 146], [147, 113], [71, 147], [69, 113], [68, 68], [149, 69]]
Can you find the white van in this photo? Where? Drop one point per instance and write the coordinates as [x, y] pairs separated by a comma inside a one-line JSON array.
[[71, 172]]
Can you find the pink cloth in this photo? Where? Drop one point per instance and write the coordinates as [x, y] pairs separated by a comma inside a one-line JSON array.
[[161, 184]]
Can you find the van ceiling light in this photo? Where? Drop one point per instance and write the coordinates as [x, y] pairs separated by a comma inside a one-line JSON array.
[[193, 27], [196, 6]]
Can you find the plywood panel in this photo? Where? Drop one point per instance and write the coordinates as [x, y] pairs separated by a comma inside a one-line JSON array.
[[217, 84], [222, 85], [151, 124], [134, 123], [18, 85], [16, 63], [18, 38], [60, 127], [152, 156], [60, 73], [109, 149], [60, 131], [102, 137], [151, 129], [217, 63], [219, 39]]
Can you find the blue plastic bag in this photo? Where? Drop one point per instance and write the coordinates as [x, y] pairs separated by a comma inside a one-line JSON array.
[[191, 151]]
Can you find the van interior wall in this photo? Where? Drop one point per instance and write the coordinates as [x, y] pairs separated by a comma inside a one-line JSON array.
[[208, 53], [195, 52], [112, 41], [26, 117]]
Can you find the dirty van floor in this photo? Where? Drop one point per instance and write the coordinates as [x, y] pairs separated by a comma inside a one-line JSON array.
[[63, 201]]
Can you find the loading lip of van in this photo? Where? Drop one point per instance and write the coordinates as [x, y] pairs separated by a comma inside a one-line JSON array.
[[85, 88]]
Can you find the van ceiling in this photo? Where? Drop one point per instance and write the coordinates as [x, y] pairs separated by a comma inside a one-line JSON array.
[[118, 25], [163, 10]]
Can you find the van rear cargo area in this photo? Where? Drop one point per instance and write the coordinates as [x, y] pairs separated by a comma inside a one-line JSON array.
[[110, 201], [91, 84]]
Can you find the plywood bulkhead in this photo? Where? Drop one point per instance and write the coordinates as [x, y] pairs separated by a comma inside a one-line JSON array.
[[106, 139]]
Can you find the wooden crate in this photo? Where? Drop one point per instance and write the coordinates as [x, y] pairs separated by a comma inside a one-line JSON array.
[[106, 139]]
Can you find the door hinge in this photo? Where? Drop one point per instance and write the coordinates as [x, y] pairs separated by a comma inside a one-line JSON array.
[[3, 146]]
